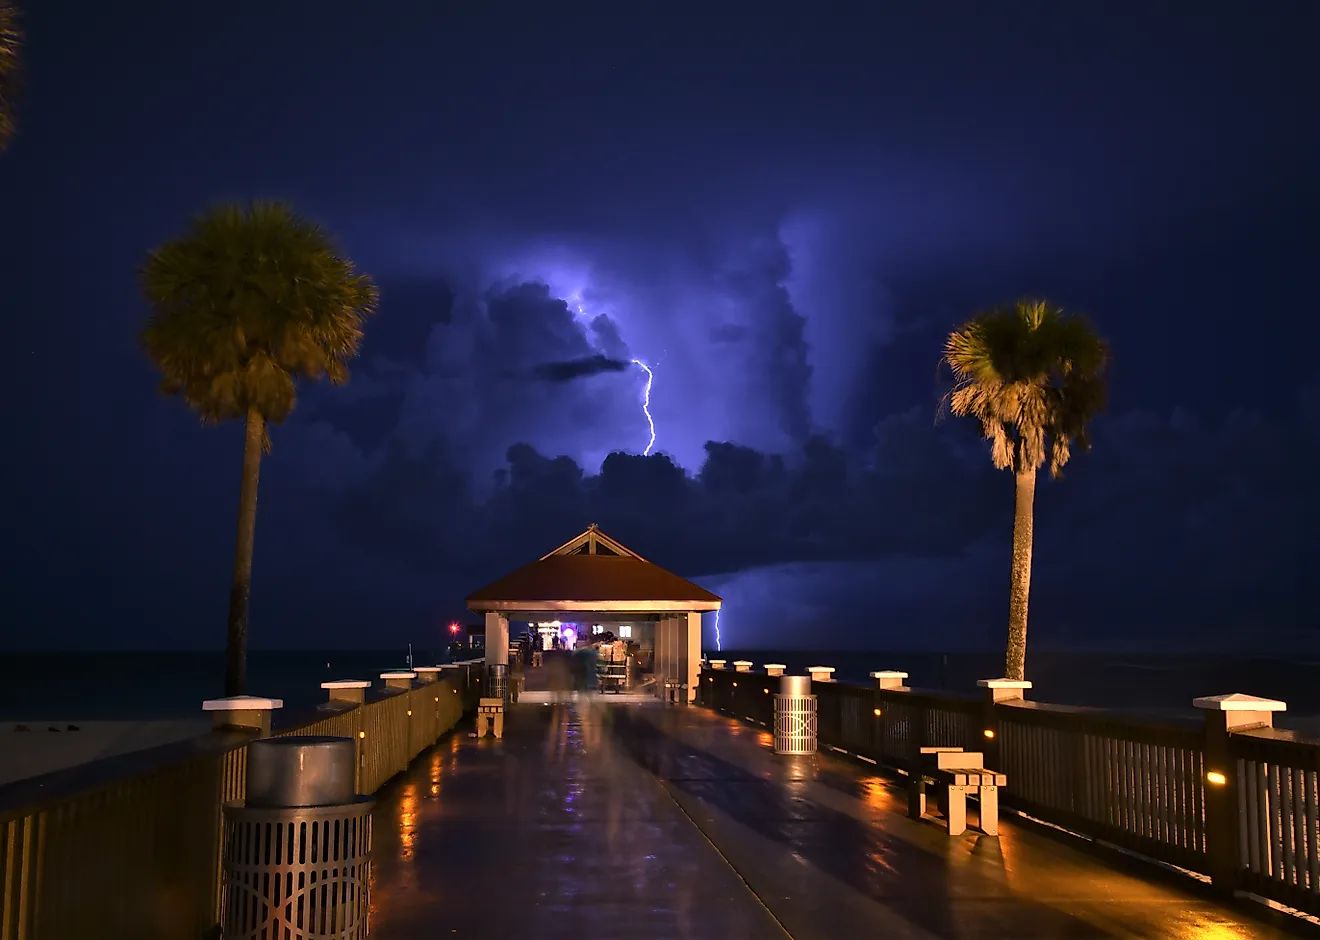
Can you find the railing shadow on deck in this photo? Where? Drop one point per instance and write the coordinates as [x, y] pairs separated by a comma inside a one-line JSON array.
[[130, 846], [1245, 820]]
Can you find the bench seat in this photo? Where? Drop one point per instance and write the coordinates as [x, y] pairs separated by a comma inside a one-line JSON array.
[[956, 772]]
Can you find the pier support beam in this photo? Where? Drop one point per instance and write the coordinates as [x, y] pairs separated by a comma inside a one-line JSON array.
[[692, 662], [497, 638]]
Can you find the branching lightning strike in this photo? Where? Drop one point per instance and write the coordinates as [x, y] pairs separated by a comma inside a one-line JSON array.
[[719, 646], [646, 404]]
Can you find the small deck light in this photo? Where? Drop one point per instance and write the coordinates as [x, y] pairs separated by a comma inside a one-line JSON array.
[[362, 734], [735, 685], [410, 713], [1216, 778], [876, 712], [989, 732]]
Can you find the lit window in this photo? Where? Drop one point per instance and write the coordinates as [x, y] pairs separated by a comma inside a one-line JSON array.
[[597, 628], [625, 631]]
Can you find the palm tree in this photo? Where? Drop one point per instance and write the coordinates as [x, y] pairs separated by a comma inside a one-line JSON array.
[[11, 38], [1034, 377], [246, 302]]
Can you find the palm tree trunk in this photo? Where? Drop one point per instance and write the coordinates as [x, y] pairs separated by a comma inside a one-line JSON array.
[[1020, 578], [241, 587]]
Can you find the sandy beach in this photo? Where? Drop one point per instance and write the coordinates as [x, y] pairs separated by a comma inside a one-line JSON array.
[[52, 745]]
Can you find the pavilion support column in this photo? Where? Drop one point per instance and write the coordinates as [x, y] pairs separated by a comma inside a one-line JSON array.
[[664, 627], [692, 658], [497, 638]]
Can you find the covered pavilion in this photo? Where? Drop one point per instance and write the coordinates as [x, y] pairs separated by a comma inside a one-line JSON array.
[[593, 579]]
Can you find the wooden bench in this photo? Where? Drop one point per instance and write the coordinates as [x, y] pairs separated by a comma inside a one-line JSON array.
[[490, 717], [955, 772]]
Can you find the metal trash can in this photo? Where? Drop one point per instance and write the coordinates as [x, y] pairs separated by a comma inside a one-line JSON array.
[[297, 852], [795, 716], [497, 681]]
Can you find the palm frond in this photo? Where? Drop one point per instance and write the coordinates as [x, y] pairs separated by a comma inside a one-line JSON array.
[[11, 44]]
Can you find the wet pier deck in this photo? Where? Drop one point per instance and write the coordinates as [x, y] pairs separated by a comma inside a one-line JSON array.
[[598, 820]]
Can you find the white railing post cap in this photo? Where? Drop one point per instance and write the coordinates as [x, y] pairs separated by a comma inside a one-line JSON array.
[[401, 674], [775, 666], [242, 703], [347, 684], [1239, 702], [888, 674], [824, 669], [1003, 683]]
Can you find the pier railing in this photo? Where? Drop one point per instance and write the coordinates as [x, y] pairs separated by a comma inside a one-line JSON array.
[[130, 846], [1237, 806]]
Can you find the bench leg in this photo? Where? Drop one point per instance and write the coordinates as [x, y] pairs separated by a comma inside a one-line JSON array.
[[916, 797], [990, 811], [499, 724], [957, 811], [481, 725]]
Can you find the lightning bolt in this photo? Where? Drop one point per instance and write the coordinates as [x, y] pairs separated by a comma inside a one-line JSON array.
[[719, 647], [646, 404]]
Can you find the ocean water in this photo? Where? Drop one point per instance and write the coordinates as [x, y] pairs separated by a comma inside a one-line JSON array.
[[1146, 681], [168, 685]]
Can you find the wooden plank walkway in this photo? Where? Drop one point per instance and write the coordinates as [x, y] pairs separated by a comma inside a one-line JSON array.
[[597, 820]]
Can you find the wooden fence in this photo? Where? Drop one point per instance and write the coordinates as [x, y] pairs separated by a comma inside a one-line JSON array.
[[1248, 820], [130, 846]]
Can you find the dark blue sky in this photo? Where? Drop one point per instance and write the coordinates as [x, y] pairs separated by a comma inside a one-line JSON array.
[[781, 211]]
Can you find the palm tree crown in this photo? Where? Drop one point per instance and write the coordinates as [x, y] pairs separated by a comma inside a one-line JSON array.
[[246, 302], [1033, 376], [11, 39]]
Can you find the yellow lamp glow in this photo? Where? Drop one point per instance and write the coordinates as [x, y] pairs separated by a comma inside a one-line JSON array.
[[988, 732], [1216, 778], [876, 712]]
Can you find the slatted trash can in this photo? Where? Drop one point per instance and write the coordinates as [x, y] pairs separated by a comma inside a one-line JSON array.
[[497, 681], [795, 716], [297, 851]]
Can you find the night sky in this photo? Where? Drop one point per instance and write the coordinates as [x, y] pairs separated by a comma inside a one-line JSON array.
[[781, 212]]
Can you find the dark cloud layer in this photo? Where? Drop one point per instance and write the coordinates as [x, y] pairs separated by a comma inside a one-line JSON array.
[[578, 368]]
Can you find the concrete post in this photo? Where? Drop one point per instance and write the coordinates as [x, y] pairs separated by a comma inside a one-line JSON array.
[[353, 691], [242, 713], [774, 670], [1225, 715], [888, 679], [427, 674], [398, 680], [742, 665], [497, 638], [996, 691], [821, 673], [717, 663], [692, 673]]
